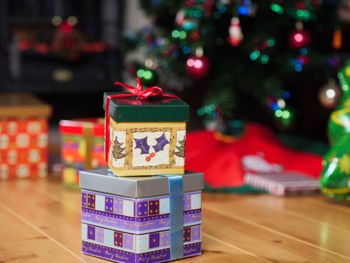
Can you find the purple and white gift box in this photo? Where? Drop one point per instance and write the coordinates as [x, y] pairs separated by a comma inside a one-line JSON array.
[[129, 219]]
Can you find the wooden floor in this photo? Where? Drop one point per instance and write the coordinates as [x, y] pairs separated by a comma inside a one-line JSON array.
[[40, 222]]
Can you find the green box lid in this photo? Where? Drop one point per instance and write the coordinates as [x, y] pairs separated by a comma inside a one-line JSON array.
[[160, 109]]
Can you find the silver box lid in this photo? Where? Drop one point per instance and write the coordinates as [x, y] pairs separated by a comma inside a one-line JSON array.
[[135, 187]]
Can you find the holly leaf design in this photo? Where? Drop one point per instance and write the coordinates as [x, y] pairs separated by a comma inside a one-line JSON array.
[[142, 145], [181, 149], [161, 142]]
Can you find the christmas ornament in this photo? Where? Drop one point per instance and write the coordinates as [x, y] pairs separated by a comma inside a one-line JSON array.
[[195, 35], [235, 32], [299, 38], [337, 39], [329, 94], [185, 21], [180, 17], [198, 66]]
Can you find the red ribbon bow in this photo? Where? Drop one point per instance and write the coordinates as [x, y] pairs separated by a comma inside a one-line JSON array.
[[140, 93]]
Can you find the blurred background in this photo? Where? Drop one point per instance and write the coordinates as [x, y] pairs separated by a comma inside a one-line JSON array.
[[255, 67], [59, 50], [272, 62]]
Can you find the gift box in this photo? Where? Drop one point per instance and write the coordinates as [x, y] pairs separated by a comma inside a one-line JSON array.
[[283, 183], [141, 219], [23, 136], [82, 147], [145, 135]]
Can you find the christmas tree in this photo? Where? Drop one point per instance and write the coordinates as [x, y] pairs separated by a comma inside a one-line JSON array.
[[245, 53]]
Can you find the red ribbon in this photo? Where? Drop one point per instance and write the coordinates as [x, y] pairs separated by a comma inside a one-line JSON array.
[[140, 93]]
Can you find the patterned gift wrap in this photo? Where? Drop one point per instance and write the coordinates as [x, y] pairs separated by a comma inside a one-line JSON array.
[[140, 225], [23, 147], [146, 137], [283, 183], [82, 148], [147, 148], [136, 230]]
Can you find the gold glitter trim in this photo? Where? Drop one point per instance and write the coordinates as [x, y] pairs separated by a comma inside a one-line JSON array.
[[132, 127]]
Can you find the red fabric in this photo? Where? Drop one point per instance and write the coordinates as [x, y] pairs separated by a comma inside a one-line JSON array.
[[221, 162]]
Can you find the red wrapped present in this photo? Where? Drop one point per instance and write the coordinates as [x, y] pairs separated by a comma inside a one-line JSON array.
[[23, 136]]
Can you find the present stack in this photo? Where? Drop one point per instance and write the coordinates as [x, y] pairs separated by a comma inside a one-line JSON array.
[[23, 136], [146, 207]]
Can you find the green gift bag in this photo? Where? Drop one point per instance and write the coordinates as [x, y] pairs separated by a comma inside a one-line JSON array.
[[335, 179]]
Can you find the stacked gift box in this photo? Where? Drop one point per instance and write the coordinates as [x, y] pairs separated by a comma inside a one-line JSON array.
[[82, 148], [23, 136], [145, 207]]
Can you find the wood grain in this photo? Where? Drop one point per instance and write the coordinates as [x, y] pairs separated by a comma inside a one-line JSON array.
[[40, 222]]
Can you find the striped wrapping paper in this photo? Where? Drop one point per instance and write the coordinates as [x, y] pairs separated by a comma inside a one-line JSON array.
[[136, 229], [282, 183]]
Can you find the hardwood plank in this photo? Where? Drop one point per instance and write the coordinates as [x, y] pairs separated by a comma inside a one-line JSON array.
[[51, 216], [20, 242], [263, 243], [301, 207], [215, 249], [329, 204], [269, 215]]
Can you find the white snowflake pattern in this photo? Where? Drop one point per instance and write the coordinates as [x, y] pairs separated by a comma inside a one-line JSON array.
[[22, 140]]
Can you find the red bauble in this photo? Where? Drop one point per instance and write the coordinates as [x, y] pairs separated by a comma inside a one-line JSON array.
[[299, 38], [195, 35], [197, 67]]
